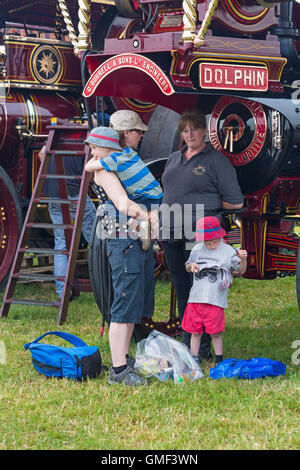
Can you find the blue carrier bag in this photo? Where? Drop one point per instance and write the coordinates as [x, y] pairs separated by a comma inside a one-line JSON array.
[[253, 368], [77, 362]]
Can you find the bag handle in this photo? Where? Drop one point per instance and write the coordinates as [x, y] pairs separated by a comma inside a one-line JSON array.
[[67, 336]]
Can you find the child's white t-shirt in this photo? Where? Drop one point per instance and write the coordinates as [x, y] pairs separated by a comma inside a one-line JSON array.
[[208, 285]]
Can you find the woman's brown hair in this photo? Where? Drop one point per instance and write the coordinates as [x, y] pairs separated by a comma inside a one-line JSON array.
[[122, 141], [195, 118]]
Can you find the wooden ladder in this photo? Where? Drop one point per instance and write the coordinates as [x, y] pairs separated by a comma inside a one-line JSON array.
[[60, 143]]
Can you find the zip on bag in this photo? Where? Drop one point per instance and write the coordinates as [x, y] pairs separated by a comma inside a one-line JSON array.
[[42, 365]]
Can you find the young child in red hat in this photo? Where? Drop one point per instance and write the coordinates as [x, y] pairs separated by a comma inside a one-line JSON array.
[[211, 263]]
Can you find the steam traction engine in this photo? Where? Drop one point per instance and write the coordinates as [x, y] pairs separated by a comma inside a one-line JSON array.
[[40, 80], [239, 61]]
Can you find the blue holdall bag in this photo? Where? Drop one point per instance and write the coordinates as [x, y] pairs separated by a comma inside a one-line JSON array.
[[256, 367], [77, 362]]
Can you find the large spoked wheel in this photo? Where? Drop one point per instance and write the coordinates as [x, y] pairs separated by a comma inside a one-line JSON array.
[[101, 283], [10, 225]]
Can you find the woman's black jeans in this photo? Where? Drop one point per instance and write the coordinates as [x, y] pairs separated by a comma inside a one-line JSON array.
[[176, 255]]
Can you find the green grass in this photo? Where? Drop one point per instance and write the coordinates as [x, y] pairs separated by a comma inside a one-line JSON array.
[[40, 413]]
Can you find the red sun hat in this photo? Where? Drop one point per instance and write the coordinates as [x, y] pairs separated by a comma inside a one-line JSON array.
[[209, 228]]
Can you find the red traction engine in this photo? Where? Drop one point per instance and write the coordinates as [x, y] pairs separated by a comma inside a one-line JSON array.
[[239, 62]]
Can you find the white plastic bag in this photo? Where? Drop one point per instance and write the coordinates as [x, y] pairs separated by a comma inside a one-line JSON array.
[[166, 358]]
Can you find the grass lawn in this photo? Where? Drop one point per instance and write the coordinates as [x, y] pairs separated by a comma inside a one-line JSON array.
[[50, 414]]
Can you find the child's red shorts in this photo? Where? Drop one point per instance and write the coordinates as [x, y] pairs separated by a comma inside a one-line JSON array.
[[200, 317]]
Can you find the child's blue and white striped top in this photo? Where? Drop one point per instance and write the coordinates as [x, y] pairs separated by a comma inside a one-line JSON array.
[[135, 176]]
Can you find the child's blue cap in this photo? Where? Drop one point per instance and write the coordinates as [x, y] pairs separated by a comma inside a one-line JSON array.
[[104, 137]]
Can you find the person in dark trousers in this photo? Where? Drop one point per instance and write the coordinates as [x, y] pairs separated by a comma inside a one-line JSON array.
[[197, 181], [132, 264], [73, 166]]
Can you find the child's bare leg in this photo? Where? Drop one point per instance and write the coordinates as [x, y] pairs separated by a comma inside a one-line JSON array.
[[217, 341], [195, 343]]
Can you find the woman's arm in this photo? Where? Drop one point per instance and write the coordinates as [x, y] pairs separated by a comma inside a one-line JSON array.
[[229, 206], [227, 182]]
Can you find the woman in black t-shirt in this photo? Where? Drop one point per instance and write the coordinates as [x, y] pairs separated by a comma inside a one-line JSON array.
[[197, 181]]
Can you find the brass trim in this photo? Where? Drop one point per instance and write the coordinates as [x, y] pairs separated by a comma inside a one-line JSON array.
[[53, 53], [199, 37], [12, 37]]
